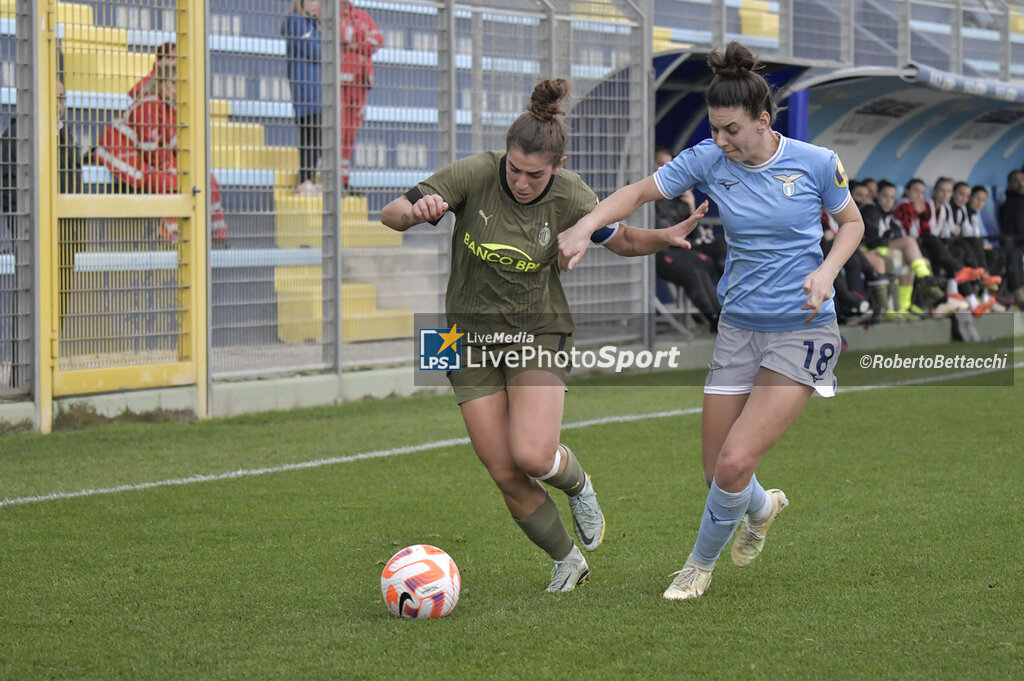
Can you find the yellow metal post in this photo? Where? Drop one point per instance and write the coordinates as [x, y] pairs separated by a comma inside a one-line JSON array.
[[192, 159], [46, 187]]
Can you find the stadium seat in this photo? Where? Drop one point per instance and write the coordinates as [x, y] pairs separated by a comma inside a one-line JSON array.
[[663, 41], [300, 309], [756, 19], [103, 70], [1016, 20], [74, 14], [245, 135], [602, 9], [298, 222]]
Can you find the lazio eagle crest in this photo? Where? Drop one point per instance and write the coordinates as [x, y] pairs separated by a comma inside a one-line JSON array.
[[788, 182]]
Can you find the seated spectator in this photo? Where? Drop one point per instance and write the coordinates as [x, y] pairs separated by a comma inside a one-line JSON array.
[[872, 187], [965, 236], [141, 150], [892, 242], [934, 229], [166, 55], [860, 192]]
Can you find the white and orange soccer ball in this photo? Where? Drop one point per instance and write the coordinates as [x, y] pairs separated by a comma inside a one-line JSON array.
[[421, 582]]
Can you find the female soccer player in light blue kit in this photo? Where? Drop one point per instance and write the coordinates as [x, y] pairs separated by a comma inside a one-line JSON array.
[[778, 341]]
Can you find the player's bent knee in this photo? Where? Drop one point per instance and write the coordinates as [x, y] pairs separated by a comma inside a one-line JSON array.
[[732, 471], [535, 459]]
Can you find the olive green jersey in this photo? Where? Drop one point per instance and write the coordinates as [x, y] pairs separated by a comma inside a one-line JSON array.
[[504, 268]]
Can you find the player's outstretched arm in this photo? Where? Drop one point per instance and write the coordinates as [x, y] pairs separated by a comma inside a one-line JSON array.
[[573, 242], [401, 214], [630, 241]]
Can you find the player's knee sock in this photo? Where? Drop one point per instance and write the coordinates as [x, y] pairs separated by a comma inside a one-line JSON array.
[[722, 514], [572, 479], [906, 294], [921, 268], [759, 508], [545, 528]]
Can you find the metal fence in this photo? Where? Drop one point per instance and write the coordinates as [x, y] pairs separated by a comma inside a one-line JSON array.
[[447, 81], [981, 38], [242, 268], [19, 99], [292, 271]]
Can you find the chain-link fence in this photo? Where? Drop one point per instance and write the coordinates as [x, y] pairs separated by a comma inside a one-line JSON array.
[[314, 115], [419, 85], [983, 38], [17, 104]]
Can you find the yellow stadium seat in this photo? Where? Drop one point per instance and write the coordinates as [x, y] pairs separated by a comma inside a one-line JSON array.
[[662, 40], [254, 157], [91, 37], [597, 9], [1016, 20], [300, 309], [756, 19], [298, 222], [224, 133], [220, 109], [103, 70], [74, 13]]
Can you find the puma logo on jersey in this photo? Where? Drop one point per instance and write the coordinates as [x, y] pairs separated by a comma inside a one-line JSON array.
[[788, 182], [485, 217]]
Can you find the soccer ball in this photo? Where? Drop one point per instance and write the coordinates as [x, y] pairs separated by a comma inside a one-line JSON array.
[[420, 581]]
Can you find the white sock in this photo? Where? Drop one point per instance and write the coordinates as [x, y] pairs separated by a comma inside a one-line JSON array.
[[575, 555], [762, 513], [972, 300]]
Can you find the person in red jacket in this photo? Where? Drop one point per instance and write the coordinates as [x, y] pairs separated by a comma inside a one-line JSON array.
[[141, 149], [360, 38], [166, 54]]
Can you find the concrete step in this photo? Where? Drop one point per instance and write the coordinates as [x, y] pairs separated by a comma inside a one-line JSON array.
[[410, 278]]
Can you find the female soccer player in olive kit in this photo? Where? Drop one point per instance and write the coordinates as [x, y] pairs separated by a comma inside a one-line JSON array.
[[509, 209], [778, 340]]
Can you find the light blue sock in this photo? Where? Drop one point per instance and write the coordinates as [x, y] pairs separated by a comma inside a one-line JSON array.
[[758, 501], [722, 514]]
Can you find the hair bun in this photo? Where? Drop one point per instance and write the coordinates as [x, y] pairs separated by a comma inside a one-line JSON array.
[[547, 97], [734, 62]]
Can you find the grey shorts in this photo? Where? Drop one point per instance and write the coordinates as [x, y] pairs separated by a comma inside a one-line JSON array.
[[807, 356]]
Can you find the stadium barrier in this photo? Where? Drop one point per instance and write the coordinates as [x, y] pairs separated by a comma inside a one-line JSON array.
[[313, 284]]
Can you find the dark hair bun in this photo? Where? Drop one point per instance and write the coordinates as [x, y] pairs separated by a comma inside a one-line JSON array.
[[734, 62], [547, 97]]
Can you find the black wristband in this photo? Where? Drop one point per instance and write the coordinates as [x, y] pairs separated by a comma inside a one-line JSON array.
[[415, 195]]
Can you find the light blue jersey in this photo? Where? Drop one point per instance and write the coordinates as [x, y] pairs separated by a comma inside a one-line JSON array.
[[772, 219]]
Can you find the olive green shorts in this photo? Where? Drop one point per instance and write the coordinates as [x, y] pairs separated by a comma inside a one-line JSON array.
[[486, 369]]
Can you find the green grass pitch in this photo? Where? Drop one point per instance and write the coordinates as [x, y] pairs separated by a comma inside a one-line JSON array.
[[899, 557]]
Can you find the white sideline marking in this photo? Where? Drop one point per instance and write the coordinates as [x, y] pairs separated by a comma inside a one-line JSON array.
[[426, 446], [381, 453]]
